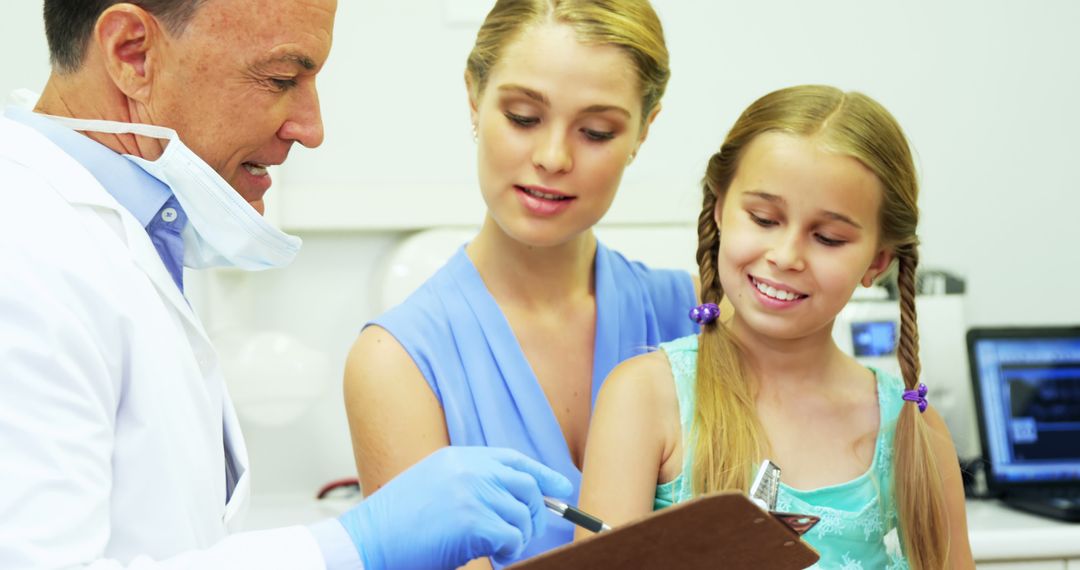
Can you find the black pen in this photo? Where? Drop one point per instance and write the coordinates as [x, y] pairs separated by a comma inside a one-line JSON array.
[[576, 516]]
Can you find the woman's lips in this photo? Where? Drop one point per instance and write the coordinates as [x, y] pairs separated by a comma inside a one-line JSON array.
[[543, 201]]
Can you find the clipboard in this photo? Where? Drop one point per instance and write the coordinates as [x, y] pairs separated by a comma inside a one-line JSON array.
[[720, 529]]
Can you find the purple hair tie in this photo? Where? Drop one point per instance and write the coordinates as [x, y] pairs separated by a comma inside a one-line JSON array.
[[918, 396], [705, 313]]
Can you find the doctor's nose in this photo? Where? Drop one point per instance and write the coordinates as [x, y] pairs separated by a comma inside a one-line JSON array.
[[552, 152], [304, 124], [786, 253]]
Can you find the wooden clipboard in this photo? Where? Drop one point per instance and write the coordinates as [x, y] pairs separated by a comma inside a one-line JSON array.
[[721, 529]]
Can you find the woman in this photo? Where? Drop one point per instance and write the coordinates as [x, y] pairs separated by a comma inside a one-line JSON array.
[[507, 345]]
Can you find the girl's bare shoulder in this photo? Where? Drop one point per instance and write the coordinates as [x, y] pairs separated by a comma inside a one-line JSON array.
[[642, 381]]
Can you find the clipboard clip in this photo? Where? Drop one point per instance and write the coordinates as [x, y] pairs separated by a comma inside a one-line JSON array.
[[764, 491], [799, 524]]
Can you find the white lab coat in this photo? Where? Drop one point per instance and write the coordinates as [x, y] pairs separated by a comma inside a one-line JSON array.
[[113, 410]]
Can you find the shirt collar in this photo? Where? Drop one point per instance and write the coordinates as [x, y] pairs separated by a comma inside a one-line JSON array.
[[131, 186]]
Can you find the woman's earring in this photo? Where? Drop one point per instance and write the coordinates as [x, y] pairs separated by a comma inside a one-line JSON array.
[[630, 158], [475, 135]]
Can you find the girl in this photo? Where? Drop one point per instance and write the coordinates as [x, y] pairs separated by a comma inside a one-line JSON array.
[[812, 193], [507, 345]]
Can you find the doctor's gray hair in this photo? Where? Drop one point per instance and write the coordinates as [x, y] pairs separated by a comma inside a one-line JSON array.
[[70, 23]]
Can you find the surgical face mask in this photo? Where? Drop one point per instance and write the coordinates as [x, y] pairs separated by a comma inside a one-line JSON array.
[[223, 230]]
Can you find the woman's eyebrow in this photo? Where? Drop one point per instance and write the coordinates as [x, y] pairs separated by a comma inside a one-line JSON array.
[[543, 100], [606, 108], [530, 93]]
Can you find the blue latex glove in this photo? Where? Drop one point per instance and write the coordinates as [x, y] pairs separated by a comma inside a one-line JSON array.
[[459, 503]]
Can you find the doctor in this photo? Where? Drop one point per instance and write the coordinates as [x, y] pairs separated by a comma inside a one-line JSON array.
[[119, 444]]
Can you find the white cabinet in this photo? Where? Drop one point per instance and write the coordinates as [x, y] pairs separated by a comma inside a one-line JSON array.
[[1023, 565], [1003, 538]]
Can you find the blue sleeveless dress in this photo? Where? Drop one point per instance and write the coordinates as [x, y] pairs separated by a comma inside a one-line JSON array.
[[462, 343], [858, 517]]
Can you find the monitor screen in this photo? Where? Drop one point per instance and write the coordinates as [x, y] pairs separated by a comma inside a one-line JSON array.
[[1030, 406], [873, 338]]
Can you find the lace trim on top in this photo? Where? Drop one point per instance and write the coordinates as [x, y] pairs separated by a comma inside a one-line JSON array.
[[858, 517]]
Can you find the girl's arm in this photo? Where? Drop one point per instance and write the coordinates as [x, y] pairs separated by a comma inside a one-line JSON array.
[[632, 433], [955, 507]]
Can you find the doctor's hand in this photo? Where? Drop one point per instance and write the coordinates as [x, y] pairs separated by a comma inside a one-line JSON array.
[[455, 505]]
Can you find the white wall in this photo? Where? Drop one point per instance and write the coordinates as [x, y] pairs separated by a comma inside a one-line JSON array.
[[987, 91], [22, 38]]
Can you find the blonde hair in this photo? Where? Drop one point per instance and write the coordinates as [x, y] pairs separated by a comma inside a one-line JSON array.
[[630, 25], [728, 438]]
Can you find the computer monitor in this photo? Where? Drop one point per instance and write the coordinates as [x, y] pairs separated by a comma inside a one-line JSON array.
[[1027, 393], [874, 338]]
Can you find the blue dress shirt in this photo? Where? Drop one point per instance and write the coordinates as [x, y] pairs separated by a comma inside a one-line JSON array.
[[146, 197]]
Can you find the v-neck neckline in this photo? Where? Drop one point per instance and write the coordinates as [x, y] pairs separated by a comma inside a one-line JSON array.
[[482, 301]]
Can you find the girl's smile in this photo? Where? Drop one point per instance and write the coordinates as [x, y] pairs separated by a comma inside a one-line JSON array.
[[774, 295]]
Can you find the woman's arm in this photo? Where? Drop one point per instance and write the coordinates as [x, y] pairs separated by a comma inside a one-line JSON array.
[[632, 434], [945, 453], [394, 418]]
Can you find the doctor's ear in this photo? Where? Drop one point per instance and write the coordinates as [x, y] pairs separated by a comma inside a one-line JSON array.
[[125, 36]]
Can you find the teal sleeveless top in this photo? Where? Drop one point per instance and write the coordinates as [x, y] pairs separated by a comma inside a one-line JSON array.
[[858, 518]]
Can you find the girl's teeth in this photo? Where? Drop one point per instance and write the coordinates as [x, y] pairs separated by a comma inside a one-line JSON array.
[[775, 293]]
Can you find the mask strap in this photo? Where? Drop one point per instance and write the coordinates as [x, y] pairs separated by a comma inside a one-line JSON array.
[[23, 98], [114, 127]]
